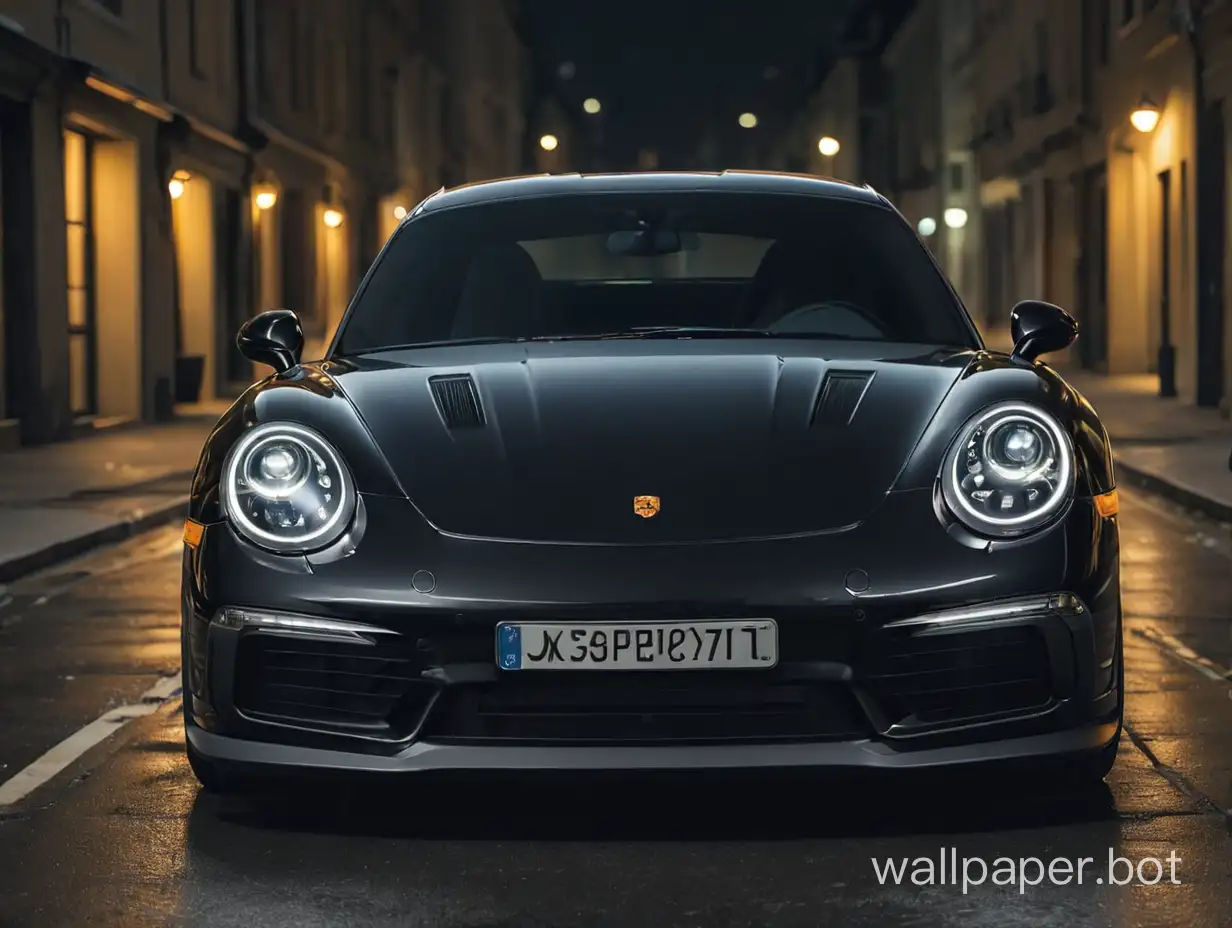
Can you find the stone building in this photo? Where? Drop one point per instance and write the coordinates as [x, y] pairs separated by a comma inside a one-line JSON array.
[[171, 167]]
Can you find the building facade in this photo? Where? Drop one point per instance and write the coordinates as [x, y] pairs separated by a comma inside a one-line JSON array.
[[960, 224], [1101, 146], [172, 167]]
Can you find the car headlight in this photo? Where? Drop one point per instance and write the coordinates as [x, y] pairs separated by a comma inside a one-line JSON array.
[[1010, 470], [286, 489]]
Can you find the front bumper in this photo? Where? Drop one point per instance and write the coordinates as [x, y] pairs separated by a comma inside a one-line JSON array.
[[410, 684]]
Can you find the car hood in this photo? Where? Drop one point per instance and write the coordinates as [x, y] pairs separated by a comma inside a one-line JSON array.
[[554, 442]]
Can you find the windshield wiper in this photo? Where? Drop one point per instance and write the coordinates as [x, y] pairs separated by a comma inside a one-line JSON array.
[[686, 331], [636, 332]]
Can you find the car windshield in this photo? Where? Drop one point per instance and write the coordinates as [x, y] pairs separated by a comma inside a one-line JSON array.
[[712, 265]]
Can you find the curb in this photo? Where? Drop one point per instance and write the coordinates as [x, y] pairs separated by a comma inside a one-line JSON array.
[[141, 521], [1190, 499]]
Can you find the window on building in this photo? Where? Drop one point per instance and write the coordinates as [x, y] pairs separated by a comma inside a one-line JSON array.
[[1128, 9], [388, 95], [333, 98], [295, 53], [196, 58], [1105, 31], [368, 85], [261, 28]]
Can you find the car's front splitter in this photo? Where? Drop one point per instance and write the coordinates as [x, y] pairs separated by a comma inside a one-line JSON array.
[[426, 757]]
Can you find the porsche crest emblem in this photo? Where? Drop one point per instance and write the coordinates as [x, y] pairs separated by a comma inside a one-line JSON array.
[[646, 506]]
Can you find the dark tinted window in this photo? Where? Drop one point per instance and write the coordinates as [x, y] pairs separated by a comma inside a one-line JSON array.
[[600, 264]]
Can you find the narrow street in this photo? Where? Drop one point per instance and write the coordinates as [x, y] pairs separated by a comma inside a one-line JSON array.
[[123, 838]]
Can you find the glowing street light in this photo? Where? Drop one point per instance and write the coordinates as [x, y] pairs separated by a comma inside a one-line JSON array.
[[332, 218], [175, 186], [748, 120], [955, 217], [266, 196], [549, 142], [591, 105], [927, 226], [828, 146], [399, 212], [1145, 117]]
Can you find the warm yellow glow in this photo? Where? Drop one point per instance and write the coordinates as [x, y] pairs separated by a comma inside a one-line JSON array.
[[1108, 504], [193, 533], [266, 196], [1146, 117], [828, 146], [748, 120], [399, 212], [591, 105], [332, 218], [175, 186], [549, 142]]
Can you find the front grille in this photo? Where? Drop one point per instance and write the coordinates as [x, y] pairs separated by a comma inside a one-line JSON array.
[[344, 686], [936, 679], [645, 708]]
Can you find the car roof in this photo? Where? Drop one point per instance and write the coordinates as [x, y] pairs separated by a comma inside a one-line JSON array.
[[554, 185]]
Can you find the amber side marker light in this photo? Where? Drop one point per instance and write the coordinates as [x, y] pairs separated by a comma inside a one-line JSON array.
[[193, 532], [1108, 504]]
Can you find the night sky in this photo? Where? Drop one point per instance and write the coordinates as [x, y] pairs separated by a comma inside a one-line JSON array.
[[665, 71]]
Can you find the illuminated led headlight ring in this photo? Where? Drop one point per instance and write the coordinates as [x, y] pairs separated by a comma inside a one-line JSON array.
[[1009, 471], [286, 489]]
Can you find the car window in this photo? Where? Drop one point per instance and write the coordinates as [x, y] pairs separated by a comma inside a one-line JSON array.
[[590, 265]]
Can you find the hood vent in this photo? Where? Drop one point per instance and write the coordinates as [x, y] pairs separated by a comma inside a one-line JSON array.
[[840, 396], [457, 400]]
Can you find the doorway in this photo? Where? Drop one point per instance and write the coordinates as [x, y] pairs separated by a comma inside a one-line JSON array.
[[192, 214], [1093, 269], [1212, 237], [82, 294], [1164, 365]]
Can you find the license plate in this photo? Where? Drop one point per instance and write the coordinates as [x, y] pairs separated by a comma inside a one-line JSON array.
[[717, 645]]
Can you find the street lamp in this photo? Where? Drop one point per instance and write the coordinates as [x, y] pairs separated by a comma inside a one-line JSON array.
[[265, 196], [548, 142], [955, 217], [591, 105], [828, 146], [175, 186], [748, 120], [927, 226], [1145, 116], [399, 212], [332, 218]]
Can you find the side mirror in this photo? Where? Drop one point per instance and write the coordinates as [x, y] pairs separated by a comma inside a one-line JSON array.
[[1039, 328], [275, 338]]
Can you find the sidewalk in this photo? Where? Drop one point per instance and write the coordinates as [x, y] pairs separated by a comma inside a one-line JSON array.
[[59, 501], [1178, 451]]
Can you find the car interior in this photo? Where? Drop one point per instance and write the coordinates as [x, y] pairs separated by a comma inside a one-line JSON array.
[[506, 294]]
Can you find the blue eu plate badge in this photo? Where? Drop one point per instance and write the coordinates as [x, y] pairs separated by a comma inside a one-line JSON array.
[[510, 647]]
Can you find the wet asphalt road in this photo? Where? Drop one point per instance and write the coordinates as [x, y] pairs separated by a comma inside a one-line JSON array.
[[123, 838]]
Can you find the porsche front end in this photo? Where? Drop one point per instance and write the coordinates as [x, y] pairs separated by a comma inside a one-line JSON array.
[[940, 629]]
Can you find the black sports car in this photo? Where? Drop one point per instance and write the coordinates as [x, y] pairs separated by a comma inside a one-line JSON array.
[[647, 472]]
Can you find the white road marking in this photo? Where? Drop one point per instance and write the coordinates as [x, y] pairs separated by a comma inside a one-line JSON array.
[[1186, 655], [26, 781]]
